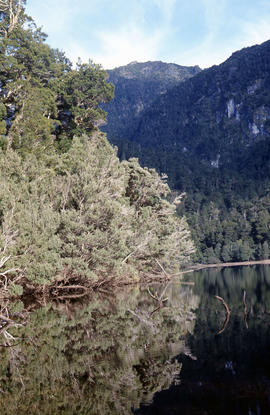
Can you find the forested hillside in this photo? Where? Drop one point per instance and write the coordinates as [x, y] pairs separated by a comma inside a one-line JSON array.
[[210, 135], [137, 86], [71, 215]]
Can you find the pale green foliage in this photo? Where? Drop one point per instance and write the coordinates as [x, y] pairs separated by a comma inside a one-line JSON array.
[[94, 218], [157, 232], [15, 290], [86, 212], [28, 220]]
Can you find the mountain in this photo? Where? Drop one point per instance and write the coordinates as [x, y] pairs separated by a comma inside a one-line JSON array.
[[219, 116], [137, 85], [210, 134]]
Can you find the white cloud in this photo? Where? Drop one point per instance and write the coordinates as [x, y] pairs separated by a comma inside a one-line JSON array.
[[206, 54], [223, 36], [256, 32], [125, 32], [75, 50], [54, 16], [167, 8], [214, 13], [126, 45], [133, 41]]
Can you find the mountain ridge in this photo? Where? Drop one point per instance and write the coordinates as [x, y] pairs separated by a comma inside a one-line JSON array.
[[211, 135], [137, 85], [216, 95], [214, 115]]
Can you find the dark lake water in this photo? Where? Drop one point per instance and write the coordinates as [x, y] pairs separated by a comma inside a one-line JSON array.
[[169, 349]]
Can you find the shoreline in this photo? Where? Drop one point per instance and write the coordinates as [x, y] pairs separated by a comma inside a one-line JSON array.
[[227, 264], [78, 289]]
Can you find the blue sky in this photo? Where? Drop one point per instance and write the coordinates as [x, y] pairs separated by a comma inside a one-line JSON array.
[[187, 32]]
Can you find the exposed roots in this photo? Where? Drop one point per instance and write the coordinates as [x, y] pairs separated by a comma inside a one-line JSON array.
[[71, 286]]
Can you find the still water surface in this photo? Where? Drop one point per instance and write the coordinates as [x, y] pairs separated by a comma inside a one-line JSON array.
[[163, 350]]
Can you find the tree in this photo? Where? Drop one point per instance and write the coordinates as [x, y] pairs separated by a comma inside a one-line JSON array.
[[81, 91], [12, 14], [29, 70], [265, 250], [65, 101], [226, 254]]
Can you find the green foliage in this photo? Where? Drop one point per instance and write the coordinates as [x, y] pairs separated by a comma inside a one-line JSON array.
[[42, 99], [35, 123], [15, 290], [159, 235], [82, 90], [28, 221], [85, 211]]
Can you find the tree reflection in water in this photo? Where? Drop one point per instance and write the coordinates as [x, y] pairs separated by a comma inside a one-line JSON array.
[[105, 357]]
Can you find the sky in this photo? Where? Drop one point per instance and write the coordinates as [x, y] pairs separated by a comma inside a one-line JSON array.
[[187, 32]]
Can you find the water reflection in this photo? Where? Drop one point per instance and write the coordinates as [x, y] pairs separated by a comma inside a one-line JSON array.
[[116, 354], [105, 357], [232, 372]]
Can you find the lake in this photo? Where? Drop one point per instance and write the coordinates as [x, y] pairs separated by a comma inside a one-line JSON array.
[[163, 349]]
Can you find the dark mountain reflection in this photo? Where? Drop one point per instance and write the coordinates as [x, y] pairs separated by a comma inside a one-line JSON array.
[[232, 372]]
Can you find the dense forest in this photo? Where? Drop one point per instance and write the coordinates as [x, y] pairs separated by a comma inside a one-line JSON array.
[[71, 214], [210, 135]]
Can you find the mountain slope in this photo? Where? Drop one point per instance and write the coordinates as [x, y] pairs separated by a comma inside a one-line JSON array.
[[137, 85], [218, 115]]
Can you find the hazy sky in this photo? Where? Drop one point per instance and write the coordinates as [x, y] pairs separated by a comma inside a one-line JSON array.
[[187, 32]]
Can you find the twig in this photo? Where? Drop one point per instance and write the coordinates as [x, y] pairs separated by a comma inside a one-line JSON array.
[[71, 296], [158, 299], [163, 292], [5, 327], [245, 309], [135, 250], [161, 267], [10, 345], [228, 314], [71, 287], [6, 319], [8, 271], [224, 304], [4, 260], [156, 309], [129, 255], [151, 295]]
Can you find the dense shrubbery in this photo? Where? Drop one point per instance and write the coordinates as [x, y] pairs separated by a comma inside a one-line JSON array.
[[86, 213], [67, 204]]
